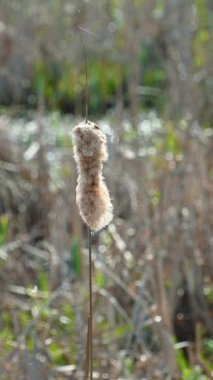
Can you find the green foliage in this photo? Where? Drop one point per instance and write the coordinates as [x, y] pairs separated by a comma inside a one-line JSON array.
[[155, 197], [104, 78], [103, 325], [24, 318], [202, 38], [208, 348], [129, 365], [6, 318], [207, 353], [63, 84], [64, 321], [153, 77], [40, 77], [8, 339], [62, 140], [107, 239], [100, 278], [54, 82], [4, 226], [170, 142], [122, 330], [201, 47], [160, 5], [68, 84], [43, 281], [187, 372], [30, 343], [56, 353], [130, 135], [76, 257], [183, 364]]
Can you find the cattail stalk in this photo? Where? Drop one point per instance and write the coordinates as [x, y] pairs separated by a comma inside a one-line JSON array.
[[89, 346], [86, 77], [90, 319], [93, 199], [92, 196]]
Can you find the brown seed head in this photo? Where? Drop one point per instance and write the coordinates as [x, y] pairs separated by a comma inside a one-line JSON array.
[[92, 195]]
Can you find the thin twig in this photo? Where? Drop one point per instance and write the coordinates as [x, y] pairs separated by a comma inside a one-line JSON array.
[[90, 332], [87, 351], [89, 344], [86, 75]]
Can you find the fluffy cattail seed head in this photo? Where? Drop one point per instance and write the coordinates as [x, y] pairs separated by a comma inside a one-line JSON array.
[[92, 195]]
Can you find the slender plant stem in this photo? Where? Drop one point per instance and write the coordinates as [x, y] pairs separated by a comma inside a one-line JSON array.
[[86, 76], [90, 332], [89, 346], [86, 377]]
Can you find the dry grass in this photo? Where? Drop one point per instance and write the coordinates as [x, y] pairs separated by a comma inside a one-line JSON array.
[[153, 265]]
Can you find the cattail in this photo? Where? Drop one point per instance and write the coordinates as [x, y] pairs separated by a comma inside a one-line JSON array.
[[92, 196]]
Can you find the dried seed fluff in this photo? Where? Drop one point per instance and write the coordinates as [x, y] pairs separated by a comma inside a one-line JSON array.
[[92, 196]]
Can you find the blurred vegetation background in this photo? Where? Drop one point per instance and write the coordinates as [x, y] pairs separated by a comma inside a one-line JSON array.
[[150, 90]]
